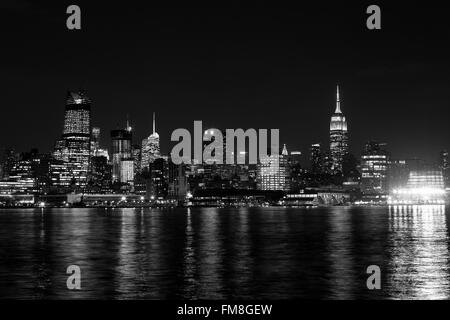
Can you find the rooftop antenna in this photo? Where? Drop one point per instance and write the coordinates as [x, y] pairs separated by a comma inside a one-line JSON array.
[[338, 102], [154, 123]]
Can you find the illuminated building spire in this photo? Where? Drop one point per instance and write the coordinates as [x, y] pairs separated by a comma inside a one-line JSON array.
[[284, 152], [338, 102], [128, 127], [154, 123], [150, 147], [338, 136]]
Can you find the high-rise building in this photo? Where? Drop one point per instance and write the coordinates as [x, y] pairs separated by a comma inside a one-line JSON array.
[[122, 158], [60, 177], [444, 165], [178, 182], [126, 174], [374, 170], [296, 172], [137, 154], [338, 137], [9, 159], [95, 140], [273, 172], [75, 144], [21, 177], [97, 151], [295, 157], [316, 158], [159, 176], [100, 174], [150, 147]]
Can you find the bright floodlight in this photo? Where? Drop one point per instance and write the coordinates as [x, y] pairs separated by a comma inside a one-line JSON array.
[[423, 187]]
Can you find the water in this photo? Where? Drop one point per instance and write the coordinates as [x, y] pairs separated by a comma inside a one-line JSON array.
[[209, 253]]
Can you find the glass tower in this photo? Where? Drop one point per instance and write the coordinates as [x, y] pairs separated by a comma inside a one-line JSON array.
[[374, 168], [122, 157], [75, 144]]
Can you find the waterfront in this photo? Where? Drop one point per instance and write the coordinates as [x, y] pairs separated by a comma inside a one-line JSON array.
[[212, 253]]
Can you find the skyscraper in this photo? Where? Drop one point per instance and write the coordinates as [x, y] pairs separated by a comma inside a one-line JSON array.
[[122, 158], [338, 136], [273, 172], [295, 171], [95, 139], [100, 177], [150, 147], [157, 187], [137, 158], [178, 185], [444, 165], [316, 158], [74, 146], [374, 170]]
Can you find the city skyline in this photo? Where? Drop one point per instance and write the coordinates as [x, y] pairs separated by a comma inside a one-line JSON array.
[[207, 152], [262, 68], [106, 141]]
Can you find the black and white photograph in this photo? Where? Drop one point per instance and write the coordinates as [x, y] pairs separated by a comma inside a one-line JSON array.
[[224, 152]]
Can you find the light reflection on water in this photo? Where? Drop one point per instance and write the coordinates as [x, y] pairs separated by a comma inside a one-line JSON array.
[[419, 252], [340, 254], [240, 253]]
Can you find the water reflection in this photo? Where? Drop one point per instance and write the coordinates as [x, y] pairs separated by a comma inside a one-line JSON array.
[[340, 254], [189, 258], [418, 242], [240, 253], [241, 250], [210, 255]]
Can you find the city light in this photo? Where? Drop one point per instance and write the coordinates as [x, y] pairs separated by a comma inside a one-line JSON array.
[[81, 171], [423, 187], [420, 191]]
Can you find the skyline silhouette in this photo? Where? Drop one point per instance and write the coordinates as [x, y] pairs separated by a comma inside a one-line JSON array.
[[248, 68]]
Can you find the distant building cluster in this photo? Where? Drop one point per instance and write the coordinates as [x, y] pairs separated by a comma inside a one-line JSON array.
[[82, 170]]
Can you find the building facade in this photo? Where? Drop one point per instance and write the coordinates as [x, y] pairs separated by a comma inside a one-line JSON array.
[[316, 159], [273, 173], [444, 165], [150, 148], [74, 147], [122, 158], [157, 187], [374, 170], [338, 137]]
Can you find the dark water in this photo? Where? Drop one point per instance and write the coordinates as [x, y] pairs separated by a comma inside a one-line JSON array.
[[274, 253]]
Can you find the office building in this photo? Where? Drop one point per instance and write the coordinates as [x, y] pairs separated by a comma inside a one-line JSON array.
[[338, 137]]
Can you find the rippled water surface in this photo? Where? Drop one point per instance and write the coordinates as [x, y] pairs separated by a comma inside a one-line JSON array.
[[276, 253]]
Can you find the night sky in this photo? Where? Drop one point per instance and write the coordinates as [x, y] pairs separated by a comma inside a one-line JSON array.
[[232, 67]]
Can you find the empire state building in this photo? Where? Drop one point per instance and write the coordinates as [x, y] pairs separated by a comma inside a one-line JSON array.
[[338, 136]]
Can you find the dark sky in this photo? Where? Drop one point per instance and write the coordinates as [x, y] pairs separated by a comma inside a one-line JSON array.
[[232, 67]]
